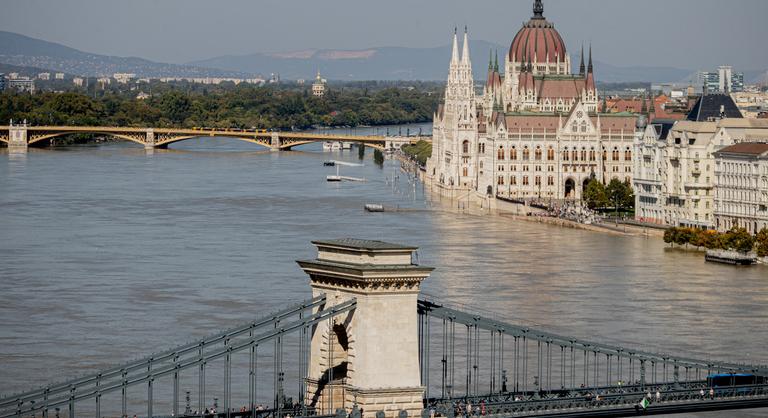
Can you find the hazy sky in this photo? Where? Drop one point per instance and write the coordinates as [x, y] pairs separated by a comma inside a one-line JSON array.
[[681, 33]]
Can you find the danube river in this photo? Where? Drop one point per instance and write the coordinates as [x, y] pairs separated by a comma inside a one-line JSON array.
[[108, 252]]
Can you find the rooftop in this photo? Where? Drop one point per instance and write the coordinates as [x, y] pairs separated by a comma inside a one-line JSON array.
[[362, 244], [714, 106], [747, 148]]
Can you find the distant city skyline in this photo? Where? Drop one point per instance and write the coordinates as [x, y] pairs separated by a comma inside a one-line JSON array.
[[690, 34]]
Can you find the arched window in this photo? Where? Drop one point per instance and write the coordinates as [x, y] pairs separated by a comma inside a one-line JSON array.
[[615, 155], [513, 153], [465, 147], [583, 126], [537, 153], [575, 155], [583, 154], [605, 154], [565, 154], [500, 154], [550, 154], [628, 155], [575, 127], [591, 154], [526, 154], [465, 172]]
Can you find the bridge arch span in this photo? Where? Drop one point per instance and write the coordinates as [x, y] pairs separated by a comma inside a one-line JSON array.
[[38, 138], [173, 140], [288, 145]]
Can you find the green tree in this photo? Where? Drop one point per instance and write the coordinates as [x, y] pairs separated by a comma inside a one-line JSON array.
[[617, 194], [378, 157], [595, 195], [762, 242], [670, 235], [176, 106]]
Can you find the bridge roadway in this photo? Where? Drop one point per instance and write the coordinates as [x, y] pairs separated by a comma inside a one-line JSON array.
[[19, 136]]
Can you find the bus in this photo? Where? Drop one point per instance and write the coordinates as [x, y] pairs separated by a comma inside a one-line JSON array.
[[723, 380]]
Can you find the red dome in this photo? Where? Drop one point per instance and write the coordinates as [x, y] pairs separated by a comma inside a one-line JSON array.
[[536, 40]]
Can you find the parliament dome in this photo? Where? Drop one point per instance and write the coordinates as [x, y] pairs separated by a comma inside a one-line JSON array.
[[538, 40]]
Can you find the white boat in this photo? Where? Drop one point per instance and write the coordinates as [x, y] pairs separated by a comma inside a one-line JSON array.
[[331, 146], [333, 178], [346, 145]]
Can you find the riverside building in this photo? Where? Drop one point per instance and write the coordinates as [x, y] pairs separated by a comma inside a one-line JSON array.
[[741, 186], [675, 167], [534, 132]]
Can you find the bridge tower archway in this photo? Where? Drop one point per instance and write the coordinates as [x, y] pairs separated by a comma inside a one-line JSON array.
[[369, 356]]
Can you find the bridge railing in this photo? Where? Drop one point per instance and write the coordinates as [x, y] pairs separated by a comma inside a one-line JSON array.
[[171, 363], [490, 355]]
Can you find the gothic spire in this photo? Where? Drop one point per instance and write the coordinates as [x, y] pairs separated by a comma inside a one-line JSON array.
[[589, 68], [581, 66], [465, 52], [496, 63], [538, 10], [644, 107], [455, 51]]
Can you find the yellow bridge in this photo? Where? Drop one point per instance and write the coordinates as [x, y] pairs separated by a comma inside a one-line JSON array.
[[19, 137]]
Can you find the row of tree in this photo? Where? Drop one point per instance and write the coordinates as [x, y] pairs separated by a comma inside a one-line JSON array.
[[420, 151], [737, 239], [238, 107], [617, 195]]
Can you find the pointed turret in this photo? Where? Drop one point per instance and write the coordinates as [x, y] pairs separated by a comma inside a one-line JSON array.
[[465, 52], [581, 65], [496, 63], [538, 9], [590, 76], [644, 107], [455, 51], [490, 59]]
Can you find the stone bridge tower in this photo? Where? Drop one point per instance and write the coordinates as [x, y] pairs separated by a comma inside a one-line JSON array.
[[370, 356]]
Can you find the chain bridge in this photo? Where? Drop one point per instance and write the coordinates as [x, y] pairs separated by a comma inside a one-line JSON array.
[[19, 137], [368, 344]]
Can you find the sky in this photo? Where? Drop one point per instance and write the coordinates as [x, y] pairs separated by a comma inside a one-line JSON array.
[[690, 34]]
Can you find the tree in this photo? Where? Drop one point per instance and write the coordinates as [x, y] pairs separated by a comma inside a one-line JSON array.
[[378, 157], [740, 240], [629, 196], [176, 106], [594, 195], [617, 194], [669, 235]]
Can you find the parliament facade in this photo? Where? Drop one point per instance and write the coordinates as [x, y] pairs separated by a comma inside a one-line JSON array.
[[535, 132]]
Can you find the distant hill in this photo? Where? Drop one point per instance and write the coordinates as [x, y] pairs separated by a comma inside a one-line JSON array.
[[385, 63], [382, 63], [23, 51], [401, 63]]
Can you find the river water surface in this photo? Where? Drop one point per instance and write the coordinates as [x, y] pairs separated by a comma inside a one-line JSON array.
[[108, 252]]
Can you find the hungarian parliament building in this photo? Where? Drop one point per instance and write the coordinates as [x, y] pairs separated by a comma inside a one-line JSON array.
[[535, 132]]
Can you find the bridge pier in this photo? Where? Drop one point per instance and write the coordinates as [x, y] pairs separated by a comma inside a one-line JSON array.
[[17, 138], [369, 357], [274, 142], [149, 142]]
